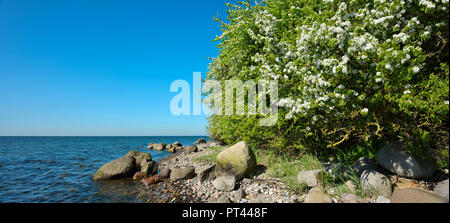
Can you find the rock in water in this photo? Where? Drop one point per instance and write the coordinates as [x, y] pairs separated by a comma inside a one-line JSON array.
[[182, 173], [139, 156], [139, 175], [238, 161], [176, 144], [172, 150], [225, 183], [200, 141], [165, 173], [159, 146], [391, 158], [150, 180], [376, 183], [149, 167], [120, 168], [411, 195], [318, 195], [441, 189], [311, 178]]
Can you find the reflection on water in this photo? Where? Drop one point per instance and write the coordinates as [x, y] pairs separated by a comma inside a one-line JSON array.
[[60, 169]]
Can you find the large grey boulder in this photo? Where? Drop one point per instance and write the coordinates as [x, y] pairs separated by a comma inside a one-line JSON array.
[[120, 168], [376, 183], [393, 159], [411, 195], [238, 161], [441, 189], [139, 156], [207, 174], [311, 178], [225, 183], [157, 146], [318, 195], [182, 173], [190, 149], [363, 164], [149, 167]]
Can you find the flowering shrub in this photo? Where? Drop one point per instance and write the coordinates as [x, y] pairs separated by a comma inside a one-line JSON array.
[[348, 71]]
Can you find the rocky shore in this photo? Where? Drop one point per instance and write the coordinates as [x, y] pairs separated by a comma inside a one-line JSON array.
[[235, 177]]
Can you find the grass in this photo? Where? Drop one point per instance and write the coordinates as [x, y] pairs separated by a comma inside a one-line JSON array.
[[211, 158]]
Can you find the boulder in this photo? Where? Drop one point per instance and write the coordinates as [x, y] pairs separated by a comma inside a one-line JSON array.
[[239, 195], [207, 174], [311, 178], [182, 173], [149, 167], [158, 146], [225, 183], [376, 183], [165, 173], [172, 149], [441, 189], [139, 175], [200, 141], [120, 168], [318, 195], [399, 162], [223, 199], [139, 156], [190, 149], [238, 161], [176, 144], [351, 198], [412, 195], [364, 163]]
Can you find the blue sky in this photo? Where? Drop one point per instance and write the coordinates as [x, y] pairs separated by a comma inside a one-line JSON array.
[[83, 67]]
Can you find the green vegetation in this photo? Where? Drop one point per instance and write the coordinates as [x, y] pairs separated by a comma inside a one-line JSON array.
[[352, 75], [212, 156]]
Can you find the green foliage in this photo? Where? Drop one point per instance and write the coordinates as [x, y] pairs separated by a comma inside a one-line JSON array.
[[349, 73]]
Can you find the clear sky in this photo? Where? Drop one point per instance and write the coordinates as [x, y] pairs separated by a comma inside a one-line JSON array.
[[101, 68]]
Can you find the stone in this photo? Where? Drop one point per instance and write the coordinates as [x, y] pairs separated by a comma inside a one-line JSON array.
[[351, 198], [238, 160], [239, 195], [311, 178], [149, 167], [207, 174], [150, 180], [376, 183], [364, 163], [381, 199], [225, 183], [139, 175], [351, 186], [139, 156], [223, 199], [182, 173], [176, 144], [165, 173], [120, 168], [200, 141], [318, 195], [215, 143], [172, 150], [412, 195], [159, 146], [393, 159], [190, 149], [441, 189]]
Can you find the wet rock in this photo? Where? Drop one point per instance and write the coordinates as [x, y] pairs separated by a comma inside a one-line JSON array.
[[120, 168], [200, 141], [182, 173], [176, 144], [393, 159], [376, 183], [207, 174], [190, 149], [139, 175], [157, 146], [441, 189], [238, 160], [165, 173], [311, 178], [150, 180], [318, 195], [381, 199], [225, 183], [411, 195], [351, 198]]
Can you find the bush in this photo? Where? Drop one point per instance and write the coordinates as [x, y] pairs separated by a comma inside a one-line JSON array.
[[348, 71]]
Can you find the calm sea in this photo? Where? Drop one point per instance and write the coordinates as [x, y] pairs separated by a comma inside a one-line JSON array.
[[60, 169]]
